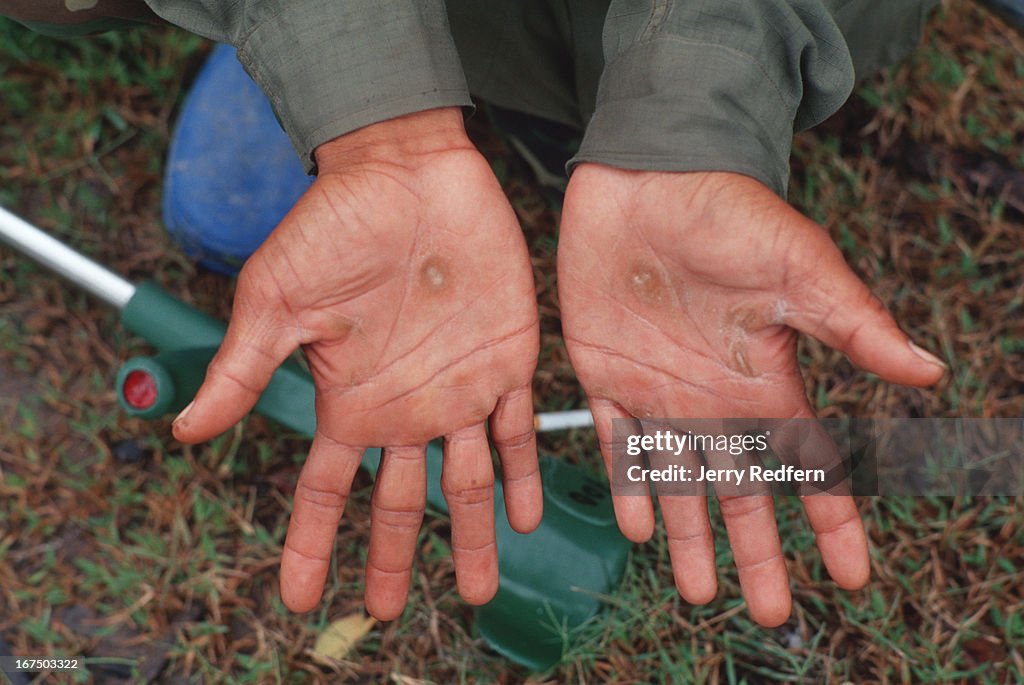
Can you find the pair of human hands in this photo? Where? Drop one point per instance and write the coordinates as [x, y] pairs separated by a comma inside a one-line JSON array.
[[404, 276]]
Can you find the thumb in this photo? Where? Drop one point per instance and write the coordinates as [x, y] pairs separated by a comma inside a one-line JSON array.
[[835, 307], [256, 343]]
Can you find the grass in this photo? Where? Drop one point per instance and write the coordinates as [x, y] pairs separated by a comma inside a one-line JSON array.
[[148, 556]]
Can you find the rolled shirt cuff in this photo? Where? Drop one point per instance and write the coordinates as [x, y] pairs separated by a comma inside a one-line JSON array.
[[330, 67], [675, 104]]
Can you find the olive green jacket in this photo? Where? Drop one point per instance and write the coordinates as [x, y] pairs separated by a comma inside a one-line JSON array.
[[672, 85]]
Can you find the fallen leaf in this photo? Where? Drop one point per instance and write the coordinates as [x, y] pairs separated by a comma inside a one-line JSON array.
[[339, 637]]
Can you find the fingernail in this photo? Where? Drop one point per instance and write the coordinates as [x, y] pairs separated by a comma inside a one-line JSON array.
[[184, 412], [927, 356]]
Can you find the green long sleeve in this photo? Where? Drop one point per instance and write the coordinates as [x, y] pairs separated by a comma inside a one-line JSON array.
[[668, 85], [721, 85], [332, 66]]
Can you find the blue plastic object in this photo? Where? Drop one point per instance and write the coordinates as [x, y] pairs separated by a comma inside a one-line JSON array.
[[231, 173]]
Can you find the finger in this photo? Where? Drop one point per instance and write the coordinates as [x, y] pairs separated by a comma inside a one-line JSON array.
[[839, 532], [749, 514], [757, 551], [399, 498], [514, 437], [320, 497], [254, 346], [839, 310], [691, 546], [467, 480], [634, 513], [830, 509]]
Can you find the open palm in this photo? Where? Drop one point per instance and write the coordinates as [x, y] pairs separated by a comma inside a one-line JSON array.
[[681, 296], [408, 285]]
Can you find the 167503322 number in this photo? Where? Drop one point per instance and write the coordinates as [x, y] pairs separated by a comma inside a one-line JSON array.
[[27, 664]]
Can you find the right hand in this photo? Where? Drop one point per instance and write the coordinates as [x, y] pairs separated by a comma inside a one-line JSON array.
[[404, 275]]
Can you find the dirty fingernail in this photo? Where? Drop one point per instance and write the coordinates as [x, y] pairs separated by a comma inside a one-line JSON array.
[[927, 356]]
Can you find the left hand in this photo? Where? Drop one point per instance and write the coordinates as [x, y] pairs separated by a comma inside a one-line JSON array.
[[682, 295]]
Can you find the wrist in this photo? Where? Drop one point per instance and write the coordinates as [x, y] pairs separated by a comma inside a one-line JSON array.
[[418, 133], [676, 200], [672, 184]]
